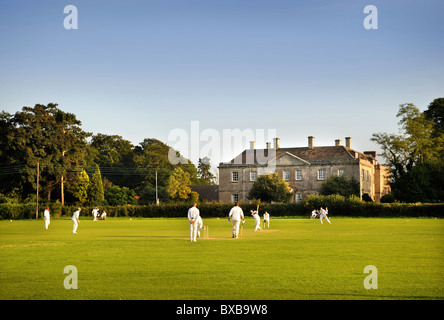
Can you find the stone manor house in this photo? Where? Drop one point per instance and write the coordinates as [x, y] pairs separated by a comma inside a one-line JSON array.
[[304, 168]]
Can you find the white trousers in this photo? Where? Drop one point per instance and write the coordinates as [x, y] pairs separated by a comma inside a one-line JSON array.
[[47, 222], [193, 231], [235, 228], [325, 217], [199, 227], [74, 226], [257, 225], [267, 222]]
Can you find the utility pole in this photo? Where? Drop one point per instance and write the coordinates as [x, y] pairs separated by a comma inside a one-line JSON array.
[[37, 194], [157, 199]]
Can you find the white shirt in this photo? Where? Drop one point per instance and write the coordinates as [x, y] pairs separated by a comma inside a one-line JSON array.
[[193, 213], [75, 215], [46, 215], [236, 213], [266, 216], [94, 212], [256, 217]]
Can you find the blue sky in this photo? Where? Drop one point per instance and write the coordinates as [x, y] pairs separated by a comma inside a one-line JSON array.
[[140, 69]]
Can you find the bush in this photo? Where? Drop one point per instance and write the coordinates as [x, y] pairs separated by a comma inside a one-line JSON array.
[[366, 197], [12, 211], [387, 198]]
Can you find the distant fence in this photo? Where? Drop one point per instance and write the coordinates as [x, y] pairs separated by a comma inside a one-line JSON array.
[[221, 210]]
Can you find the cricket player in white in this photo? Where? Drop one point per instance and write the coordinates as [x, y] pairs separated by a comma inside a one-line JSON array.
[[95, 212], [323, 214], [47, 218], [257, 220], [314, 213], [267, 219], [193, 214], [235, 215], [199, 223], [75, 220]]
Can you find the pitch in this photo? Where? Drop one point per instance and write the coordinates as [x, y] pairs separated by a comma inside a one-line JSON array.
[[296, 258]]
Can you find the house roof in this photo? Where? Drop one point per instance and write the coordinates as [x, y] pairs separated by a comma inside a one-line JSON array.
[[310, 155]]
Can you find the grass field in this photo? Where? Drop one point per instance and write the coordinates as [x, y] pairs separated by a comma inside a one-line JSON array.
[[154, 259]]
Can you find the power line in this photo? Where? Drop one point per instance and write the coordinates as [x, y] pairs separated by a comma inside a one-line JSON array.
[[19, 169]]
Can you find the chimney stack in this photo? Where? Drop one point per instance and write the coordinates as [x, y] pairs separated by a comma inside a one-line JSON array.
[[268, 145], [347, 142], [252, 145], [337, 142], [276, 143], [311, 142]]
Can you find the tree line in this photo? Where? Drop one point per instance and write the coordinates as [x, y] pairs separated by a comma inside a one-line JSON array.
[[45, 144]]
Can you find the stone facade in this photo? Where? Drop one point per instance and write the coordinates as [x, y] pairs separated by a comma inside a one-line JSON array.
[[304, 168]]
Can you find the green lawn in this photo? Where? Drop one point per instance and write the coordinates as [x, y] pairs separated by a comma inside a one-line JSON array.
[[153, 259]]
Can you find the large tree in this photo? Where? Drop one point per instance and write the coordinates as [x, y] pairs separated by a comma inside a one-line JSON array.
[[415, 143], [151, 156], [114, 155], [340, 185], [269, 188], [415, 153], [47, 136], [178, 184]]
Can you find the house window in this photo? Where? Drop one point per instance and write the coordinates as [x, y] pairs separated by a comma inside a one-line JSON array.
[[340, 172], [298, 197], [321, 174], [286, 175], [253, 175], [235, 176], [235, 197], [298, 174]]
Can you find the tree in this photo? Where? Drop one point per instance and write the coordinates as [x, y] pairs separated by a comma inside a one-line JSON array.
[[114, 155], [269, 188], [178, 185], [423, 183], [81, 189], [95, 190], [116, 196], [415, 156], [147, 195], [340, 185], [414, 145], [203, 170], [48, 136], [152, 155], [435, 113]]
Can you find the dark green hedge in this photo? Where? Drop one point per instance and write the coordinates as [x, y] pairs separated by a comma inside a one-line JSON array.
[[336, 207]]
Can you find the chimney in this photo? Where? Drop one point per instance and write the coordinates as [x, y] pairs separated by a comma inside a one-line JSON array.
[[268, 145], [347, 142], [252, 145], [311, 142], [276, 143], [337, 142]]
